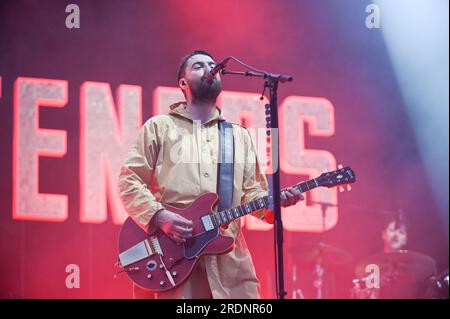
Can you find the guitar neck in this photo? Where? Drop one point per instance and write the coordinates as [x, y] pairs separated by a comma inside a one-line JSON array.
[[228, 215]]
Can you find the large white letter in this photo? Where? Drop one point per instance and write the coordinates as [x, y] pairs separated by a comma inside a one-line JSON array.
[[295, 112], [30, 142]]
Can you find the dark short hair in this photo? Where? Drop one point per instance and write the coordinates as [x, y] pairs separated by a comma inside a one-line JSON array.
[[397, 218], [183, 63]]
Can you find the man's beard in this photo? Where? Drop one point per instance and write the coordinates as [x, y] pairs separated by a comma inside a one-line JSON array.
[[204, 91]]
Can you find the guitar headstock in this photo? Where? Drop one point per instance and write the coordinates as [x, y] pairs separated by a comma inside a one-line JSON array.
[[341, 176]]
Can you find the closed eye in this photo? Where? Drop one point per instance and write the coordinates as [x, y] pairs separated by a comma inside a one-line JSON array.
[[199, 65]]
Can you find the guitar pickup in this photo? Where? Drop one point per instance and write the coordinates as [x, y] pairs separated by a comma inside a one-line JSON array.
[[207, 222]]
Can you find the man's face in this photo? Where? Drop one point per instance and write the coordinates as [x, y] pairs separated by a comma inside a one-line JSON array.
[[395, 238], [199, 88]]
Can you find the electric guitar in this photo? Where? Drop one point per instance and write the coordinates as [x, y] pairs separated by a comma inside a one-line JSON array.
[[157, 263]]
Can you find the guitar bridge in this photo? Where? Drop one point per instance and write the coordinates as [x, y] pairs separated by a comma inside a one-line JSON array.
[[156, 245]]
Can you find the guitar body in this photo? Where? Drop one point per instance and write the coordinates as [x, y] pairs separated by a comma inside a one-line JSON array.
[[178, 259]]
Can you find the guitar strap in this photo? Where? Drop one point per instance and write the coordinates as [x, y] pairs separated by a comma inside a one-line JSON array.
[[225, 169]]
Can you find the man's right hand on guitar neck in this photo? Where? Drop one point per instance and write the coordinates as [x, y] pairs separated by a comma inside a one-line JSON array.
[[174, 225]]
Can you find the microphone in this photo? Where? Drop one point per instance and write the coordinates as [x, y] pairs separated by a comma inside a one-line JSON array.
[[216, 69]]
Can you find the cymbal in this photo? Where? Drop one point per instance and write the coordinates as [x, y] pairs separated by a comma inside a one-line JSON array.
[[403, 261], [326, 255]]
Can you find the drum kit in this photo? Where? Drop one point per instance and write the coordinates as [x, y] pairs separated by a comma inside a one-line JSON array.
[[400, 274]]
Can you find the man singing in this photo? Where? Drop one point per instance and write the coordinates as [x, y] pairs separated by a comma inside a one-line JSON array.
[[157, 171]]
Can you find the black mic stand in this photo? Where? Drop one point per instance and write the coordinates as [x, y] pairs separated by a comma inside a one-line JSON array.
[[271, 82]]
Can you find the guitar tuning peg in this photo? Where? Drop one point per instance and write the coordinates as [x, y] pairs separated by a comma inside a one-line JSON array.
[[341, 189], [349, 188], [340, 166]]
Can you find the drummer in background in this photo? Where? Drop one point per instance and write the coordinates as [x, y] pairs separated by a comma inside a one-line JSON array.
[[406, 276], [395, 237]]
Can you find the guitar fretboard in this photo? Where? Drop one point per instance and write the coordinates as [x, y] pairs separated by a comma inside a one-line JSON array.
[[228, 215]]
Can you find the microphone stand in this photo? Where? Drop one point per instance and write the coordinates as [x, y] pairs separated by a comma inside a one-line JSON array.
[[271, 82]]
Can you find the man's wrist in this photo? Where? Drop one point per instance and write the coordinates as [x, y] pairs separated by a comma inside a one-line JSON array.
[[156, 216]]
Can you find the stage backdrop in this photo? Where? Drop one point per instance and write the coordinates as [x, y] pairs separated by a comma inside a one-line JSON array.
[[72, 98]]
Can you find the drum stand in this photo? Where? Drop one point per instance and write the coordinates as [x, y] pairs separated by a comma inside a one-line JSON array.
[[319, 270], [296, 292], [318, 273]]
